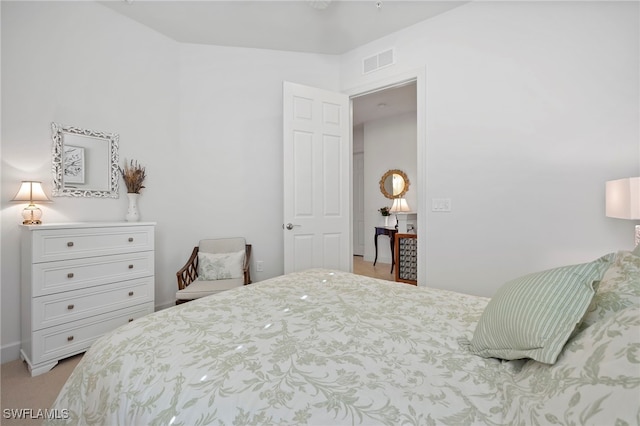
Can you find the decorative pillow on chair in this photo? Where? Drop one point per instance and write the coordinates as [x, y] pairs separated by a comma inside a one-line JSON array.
[[220, 266], [533, 316]]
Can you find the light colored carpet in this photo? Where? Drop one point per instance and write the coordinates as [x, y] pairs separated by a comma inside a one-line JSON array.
[[21, 392]]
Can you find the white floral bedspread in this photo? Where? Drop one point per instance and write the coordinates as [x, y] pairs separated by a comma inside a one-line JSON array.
[[317, 347]]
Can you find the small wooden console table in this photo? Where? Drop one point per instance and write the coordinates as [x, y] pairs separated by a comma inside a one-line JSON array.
[[391, 232]]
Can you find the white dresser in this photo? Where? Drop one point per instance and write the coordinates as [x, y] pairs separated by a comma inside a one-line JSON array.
[[79, 281]]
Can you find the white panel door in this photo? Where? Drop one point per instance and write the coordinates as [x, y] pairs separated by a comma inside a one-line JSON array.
[[317, 184]]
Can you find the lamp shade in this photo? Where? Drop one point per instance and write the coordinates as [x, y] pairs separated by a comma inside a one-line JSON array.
[[623, 198], [31, 191], [399, 205]]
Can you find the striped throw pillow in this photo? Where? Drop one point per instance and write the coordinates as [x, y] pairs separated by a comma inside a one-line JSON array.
[[533, 316]]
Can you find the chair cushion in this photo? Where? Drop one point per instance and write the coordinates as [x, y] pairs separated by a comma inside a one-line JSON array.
[[220, 266], [201, 288], [222, 245]]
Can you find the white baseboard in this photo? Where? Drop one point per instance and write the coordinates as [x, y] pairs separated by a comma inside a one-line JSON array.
[[165, 305], [10, 352]]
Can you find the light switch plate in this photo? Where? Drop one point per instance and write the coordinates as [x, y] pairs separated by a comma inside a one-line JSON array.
[[441, 204]]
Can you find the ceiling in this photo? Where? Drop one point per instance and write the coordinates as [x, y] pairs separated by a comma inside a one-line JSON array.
[[385, 103], [321, 26]]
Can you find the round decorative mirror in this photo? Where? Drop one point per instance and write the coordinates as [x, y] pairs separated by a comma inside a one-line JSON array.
[[394, 184]]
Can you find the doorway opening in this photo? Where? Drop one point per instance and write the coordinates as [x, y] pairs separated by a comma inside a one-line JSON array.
[[385, 137]]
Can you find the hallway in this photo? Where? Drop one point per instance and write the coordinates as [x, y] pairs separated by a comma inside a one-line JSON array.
[[381, 270]]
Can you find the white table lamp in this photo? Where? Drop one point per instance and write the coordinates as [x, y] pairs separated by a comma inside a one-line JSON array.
[[399, 206], [623, 200], [31, 191]]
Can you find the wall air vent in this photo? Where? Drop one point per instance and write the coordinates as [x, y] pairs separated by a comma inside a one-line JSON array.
[[377, 61]]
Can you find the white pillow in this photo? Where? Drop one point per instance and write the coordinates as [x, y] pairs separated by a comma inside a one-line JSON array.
[[220, 266], [618, 289]]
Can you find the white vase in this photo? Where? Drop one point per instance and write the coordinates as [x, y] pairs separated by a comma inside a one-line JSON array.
[[132, 210], [386, 221]]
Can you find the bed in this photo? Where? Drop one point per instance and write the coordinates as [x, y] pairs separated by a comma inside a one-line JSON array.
[[324, 347]]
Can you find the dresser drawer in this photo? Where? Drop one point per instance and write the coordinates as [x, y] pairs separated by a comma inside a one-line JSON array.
[[67, 275], [71, 338], [61, 244], [60, 308]]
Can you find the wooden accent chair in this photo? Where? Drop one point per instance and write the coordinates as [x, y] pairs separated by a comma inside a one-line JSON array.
[[190, 287]]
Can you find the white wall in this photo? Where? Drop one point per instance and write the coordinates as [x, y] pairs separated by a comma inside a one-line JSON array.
[[206, 122], [231, 145], [530, 108], [78, 63], [389, 143]]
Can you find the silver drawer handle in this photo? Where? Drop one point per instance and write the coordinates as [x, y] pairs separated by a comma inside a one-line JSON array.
[[130, 239], [70, 307], [70, 244], [70, 275], [130, 293], [70, 338]]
